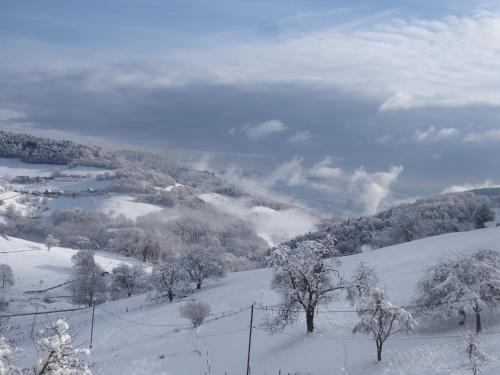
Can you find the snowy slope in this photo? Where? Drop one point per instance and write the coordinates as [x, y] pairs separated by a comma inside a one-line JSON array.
[[132, 336], [93, 195], [37, 269]]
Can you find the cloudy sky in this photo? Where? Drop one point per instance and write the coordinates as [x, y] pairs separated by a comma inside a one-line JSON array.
[[346, 105]]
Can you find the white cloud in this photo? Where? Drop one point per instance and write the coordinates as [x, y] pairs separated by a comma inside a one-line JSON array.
[[374, 187], [403, 63], [325, 169], [385, 139], [255, 132], [203, 163], [9, 114], [433, 134], [469, 186], [489, 136], [366, 189], [301, 137], [291, 173]]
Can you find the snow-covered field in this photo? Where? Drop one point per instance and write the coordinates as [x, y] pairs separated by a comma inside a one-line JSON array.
[[37, 269], [134, 336], [92, 190]]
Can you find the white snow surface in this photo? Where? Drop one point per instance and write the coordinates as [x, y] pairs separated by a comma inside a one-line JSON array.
[[135, 336], [32, 262]]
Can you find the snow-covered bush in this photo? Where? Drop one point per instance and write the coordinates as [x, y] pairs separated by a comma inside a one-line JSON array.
[[202, 263], [7, 353], [57, 354], [6, 276], [196, 312], [460, 285], [482, 215], [88, 284]]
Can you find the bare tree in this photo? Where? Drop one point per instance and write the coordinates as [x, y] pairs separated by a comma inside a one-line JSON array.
[[6, 276], [196, 312]]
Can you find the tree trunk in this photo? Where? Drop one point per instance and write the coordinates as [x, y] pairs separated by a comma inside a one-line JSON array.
[[464, 317], [379, 349], [198, 285], [310, 319], [478, 322]]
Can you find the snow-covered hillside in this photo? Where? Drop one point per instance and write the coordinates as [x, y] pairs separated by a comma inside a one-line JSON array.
[[37, 190], [134, 336], [36, 269]]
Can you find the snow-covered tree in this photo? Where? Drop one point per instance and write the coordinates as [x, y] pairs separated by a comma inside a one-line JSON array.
[[7, 353], [482, 215], [196, 312], [364, 279], [379, 318], [171, 279], [51, 242], [128, 279], [6, 276], [303, 276], [460, 285], [88, 283], [202, 263], [57, 354], [477, 358]]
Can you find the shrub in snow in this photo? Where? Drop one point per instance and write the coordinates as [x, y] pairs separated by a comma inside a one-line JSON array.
[[461, 285], [303, 277], [379, 318], [196, 312], [51, 241], [477, 359], [171, 279], [88, 283], [57, 355], [482, 215], [6, 276], [202, 263], [7, 354]]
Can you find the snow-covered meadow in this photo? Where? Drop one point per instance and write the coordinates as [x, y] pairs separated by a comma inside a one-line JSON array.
[[137, 336]]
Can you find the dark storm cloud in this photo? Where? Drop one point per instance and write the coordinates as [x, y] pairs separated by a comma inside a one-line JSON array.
[[200, 118]]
